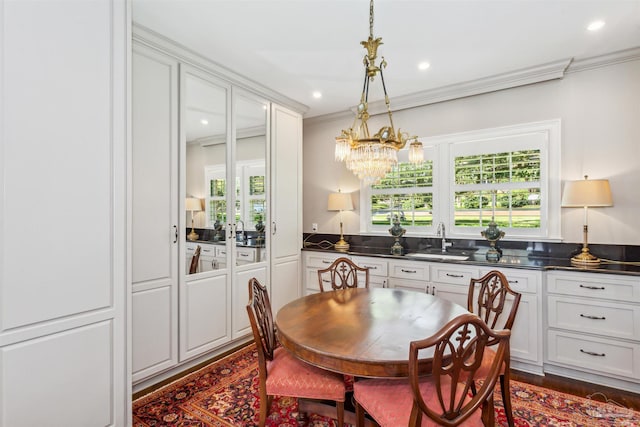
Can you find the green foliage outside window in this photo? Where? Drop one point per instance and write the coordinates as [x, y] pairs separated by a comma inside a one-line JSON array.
[[510, 190], [412, 203]]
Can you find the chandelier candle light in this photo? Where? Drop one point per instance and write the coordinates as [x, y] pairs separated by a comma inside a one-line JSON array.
[[371, 157]]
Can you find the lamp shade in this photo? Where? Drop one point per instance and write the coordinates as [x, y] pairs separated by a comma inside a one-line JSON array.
[[192, 204], [587, 193], [340, 202]]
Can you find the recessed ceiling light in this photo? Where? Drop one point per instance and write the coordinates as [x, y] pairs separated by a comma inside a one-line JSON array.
[[423, 65], [317, 95], [204, 122], [595, 25]]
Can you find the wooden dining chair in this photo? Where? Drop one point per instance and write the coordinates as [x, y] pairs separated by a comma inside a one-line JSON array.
[[195, 259], [342, 274], [445, 395], [487, 298], [279, 372]]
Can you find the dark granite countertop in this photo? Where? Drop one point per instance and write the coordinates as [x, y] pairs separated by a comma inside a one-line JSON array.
[[536, 256]]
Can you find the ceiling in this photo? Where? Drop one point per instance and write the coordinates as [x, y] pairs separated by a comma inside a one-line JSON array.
[[296, 47]]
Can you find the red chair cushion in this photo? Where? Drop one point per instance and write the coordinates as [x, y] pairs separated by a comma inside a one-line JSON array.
[[289, 376], [390, 402]]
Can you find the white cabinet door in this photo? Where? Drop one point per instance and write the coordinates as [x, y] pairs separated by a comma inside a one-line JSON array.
[[286, 205], [240, 297], [64, 186], [154, 212], [205, 321]]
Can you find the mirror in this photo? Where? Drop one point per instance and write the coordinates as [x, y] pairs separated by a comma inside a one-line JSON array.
[[228, 194]]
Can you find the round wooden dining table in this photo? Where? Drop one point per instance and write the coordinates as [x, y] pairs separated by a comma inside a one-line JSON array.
[[363, 332]]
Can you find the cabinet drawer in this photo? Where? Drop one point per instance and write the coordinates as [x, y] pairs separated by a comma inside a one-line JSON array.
[[595, 354], [246, 254], [594, 285], [519, 280], [208, 250], [409, 270], [321, 260], [604, 318], [409, 285], [453, 274], [377, 266]]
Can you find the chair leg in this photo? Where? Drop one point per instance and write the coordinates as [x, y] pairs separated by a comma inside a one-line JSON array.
[[506, 398], [488, 412], [359, 415], [340, 409], [265, 405]]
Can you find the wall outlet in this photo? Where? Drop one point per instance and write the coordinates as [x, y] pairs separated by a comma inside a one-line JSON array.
[[314, 227]]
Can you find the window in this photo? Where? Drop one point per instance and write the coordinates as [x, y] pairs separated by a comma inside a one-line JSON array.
[[407, 193], [250, 192], [510, 175], [504, 187]]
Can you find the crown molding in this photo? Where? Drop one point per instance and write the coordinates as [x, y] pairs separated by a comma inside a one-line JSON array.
[[632, 54], [150, 38], [525, 76]]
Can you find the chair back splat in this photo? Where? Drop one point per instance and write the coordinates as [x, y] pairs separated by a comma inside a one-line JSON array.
[[487, 298], [342, 274], [195, 259]]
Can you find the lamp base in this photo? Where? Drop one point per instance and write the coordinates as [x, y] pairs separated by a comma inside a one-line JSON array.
[[341, 245], [585, 259], [193, 235]]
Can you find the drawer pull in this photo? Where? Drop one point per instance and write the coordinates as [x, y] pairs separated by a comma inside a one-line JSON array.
[[455, 275], [408, 271], [591, 353], [326, 262], [206, 250], [245, 255], [512, 281], [326, 281], [370, 268], [592, 317], [599, 288]]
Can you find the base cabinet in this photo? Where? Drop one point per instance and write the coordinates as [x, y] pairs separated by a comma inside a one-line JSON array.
[[594, 327]]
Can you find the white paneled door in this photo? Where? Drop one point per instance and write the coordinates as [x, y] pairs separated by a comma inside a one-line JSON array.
[[63, 221]]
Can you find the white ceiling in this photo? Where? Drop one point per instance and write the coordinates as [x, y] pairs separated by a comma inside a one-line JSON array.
[[296, 47]]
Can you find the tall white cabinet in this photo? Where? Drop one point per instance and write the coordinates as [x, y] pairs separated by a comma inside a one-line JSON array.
[[154, 212], [201, 133], [63, 213]]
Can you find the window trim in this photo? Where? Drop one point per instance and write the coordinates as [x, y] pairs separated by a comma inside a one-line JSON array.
[[443, 180]]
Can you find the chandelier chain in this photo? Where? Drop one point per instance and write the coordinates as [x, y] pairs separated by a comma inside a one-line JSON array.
[[371, 19]]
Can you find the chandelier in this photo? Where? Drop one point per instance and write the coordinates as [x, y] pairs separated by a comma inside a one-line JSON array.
[[371, 157]]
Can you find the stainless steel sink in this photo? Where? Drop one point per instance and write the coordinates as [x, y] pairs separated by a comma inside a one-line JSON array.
[[439, 256]]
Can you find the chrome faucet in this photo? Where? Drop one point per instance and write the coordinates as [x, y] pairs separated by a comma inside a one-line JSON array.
[[244, 231], [441, 233]]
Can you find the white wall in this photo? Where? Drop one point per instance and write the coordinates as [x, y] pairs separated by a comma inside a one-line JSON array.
[[600, 113]]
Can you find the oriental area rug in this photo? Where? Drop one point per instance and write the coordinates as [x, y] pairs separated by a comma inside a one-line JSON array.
[[225, 394]]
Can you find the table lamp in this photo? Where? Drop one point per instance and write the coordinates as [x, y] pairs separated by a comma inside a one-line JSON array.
[[340, 202], [586, 193], [193, 205]]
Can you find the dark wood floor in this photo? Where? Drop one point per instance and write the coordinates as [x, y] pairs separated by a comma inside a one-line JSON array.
[[579, 388]]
